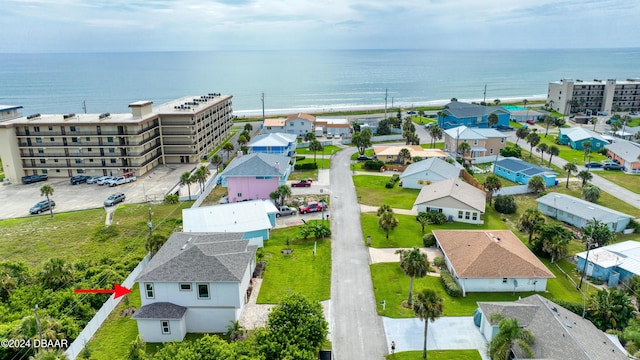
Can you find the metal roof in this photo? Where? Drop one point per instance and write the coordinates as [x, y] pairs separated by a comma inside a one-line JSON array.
[[517, 165], [435, 165], [257, 164], [581, 208], [243, 216]]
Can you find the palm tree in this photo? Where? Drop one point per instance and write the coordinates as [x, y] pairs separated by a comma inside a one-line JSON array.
[[56, 273], [216, 160], [248, 127], [50, 354], [492, 119], [530, 220], [242, 140], [186, 179], [283, 192], [541, 148], [404, 155], [384, 208], [510, 332], [610, 309], [428, 307], [436, 134], [387, 222], [154, 243], [525, 102], [228, 147], [47, 190], [522, 133], [585, 176], [548, 120], [492, 184], [202, 174], [497, 102], [309, 136], [537, 184], [235, 331], [414, 264], [422, 219], [569, 168], [533, 139], [463, 148], [315, 146], [591, 192], [587, 149], [594, 121], [615, 126], [552, 151]]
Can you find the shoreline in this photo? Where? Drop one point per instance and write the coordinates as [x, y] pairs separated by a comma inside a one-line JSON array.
[[314, 109]]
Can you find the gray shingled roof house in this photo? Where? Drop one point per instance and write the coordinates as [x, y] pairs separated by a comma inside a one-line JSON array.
[[558, 332], [197, 282], [255, 176], [428, 171], [454, 198]]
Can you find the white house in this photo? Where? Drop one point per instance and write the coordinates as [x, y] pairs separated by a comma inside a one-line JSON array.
[[491, 261], [299, 124], [455, 198], [276, 125], [334, 125], [196, 283], [252, 218], [426, 172], [274, 143]]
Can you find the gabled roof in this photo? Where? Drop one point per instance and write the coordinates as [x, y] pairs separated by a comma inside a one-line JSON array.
[[273, 139], [465, 133], [278, 122], [580, 133], [456, 189], [521, 166], [206, 257], [462, 110], [160, 310], [559, 333], [257, 164], [474, 254], [303, 116], [243, 216], [627, 150], [432, 165], [581, 208]]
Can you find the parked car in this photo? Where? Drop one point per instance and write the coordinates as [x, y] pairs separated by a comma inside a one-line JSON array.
[[75, 180], [285, 211], [504, 128], [93, 179], [312, 206], [614, 166], [119, 180], [103, 180], [34, 178], [42, 206], [302, 183], [531, 122], [114, 199], [634, 113], [411, 112], [363, 158], [336, 136], [602, 113], [593, 164]]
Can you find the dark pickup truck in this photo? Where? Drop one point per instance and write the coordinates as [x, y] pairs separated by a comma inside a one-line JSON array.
[[34, 178]]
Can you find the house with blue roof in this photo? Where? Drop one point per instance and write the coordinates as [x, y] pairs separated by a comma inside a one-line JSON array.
[[255, 176], [576, 136], [520, 171], [458, 113], [611, 263], [274, 143], [578, 212]]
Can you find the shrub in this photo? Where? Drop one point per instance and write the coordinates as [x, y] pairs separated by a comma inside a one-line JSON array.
[[300, 158], [306, 166], [438, 261], [511, 151], [389, 184], [450, 285], [428, 240], [171, 198], [634, 225], [575, 308], [505, 204], [392, 182], [436, 218], [395, 178], [373, 164]]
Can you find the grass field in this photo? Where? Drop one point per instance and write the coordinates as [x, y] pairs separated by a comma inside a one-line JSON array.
[[627, 181], [300, 272], [437, 355], [81, 235], [322, 163], [328, 150], [566, 152], [304, 174], [371, 191]]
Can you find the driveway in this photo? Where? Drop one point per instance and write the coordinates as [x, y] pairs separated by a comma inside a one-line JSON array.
[[445, 333]]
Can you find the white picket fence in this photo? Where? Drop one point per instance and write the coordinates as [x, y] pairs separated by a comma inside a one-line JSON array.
[[87, 333]]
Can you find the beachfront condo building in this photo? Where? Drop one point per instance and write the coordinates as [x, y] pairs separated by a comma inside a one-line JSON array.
[[64, 145], [569, 96]]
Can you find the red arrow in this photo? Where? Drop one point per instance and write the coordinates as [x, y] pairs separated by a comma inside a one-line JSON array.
[[118, 290]]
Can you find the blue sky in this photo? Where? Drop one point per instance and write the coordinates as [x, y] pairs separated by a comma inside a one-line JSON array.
[[175, 25]]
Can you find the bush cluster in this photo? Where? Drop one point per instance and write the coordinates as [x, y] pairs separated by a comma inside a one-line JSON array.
[[438, 261], [392, 182], [428, 240], [511, 151], [373, 164], [505, 204], [436, 217], [450, 285], [300, 158], [306, 166]]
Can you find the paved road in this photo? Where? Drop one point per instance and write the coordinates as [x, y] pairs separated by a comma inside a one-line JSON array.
[[357, 331]]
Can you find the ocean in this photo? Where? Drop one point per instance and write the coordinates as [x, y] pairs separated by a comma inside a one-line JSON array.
[[293, 81]]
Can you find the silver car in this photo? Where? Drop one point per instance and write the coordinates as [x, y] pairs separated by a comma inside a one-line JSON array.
[[114, 199]]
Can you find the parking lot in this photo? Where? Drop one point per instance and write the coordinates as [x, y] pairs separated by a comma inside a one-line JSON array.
[[17, 199]]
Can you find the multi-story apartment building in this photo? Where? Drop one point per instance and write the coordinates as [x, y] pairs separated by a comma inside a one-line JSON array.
[[572, 96], [63, 145]]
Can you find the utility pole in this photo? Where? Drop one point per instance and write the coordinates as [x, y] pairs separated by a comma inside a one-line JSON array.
[[35, 310], [149, 223], [84, 106], [484, 98], [263, 107], [385, 103]]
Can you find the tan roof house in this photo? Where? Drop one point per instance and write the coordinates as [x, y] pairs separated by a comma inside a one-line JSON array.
[[270, 126], [455, 198], [491, 261], [391, 153], [299, 124]]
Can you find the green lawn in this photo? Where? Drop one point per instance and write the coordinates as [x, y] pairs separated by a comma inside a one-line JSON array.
[[322, 163], [299, 272], [79, 235], [113, 339], [328, 149], [437, 355], [628, 181], [303, 174], [369, 152], [438, 145], [505, 182], [566, 152], [371, 191]]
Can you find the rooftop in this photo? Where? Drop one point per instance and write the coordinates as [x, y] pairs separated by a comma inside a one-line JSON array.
[[435, 165], [627, 150], [465, 133], [273, 139], [160, 310], [241, 216], [463, 110], [521, 166], [257, 164], [456, 189], [580, 133], [581, 208]]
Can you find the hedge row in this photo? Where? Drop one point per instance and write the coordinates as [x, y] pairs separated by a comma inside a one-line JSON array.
[[306, 166], [449, 283], [392, 182], [373, 165]]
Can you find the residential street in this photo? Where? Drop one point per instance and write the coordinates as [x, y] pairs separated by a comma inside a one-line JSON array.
[[357, 331]]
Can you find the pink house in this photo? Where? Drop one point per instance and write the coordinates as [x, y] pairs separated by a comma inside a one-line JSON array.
[[255, 176]]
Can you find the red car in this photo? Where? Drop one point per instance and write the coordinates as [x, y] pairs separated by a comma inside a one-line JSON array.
[[531, 122], [302, 183], [312, 206]]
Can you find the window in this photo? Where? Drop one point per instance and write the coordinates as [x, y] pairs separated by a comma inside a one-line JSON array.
[[55, 160], [301, 123], [80, 171], [52, 139], [40, 151], [112, 150], [36, 128], [164, 324], [78, 161], [467, 215], [504, 280], [474, 216], [113, 161], [185, 287], [491, 151], [203, 291], [502, 140], [88, 138], [110, 139], [72, 128], [460, 214], [290, 124], [42, 161], [39, 140], [45, 171], [74, 139], [50, 128], [149, 290], [239, 195], [475, 141], [89, 149]]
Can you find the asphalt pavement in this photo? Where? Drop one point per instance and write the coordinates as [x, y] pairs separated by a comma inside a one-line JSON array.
[[357, 331]]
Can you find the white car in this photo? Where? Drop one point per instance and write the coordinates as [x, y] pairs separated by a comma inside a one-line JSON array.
[[103, 180], [119, 180]]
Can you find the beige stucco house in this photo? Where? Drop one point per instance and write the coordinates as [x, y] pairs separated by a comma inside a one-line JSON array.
[[485, 144]]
